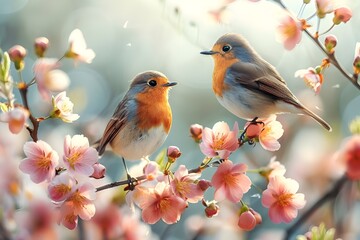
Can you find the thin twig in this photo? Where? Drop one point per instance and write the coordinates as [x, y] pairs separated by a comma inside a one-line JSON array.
[[353, 78], [23, 88], [140, 178]]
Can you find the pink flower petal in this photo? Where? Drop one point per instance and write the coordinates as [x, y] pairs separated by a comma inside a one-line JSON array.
[[151, 215]]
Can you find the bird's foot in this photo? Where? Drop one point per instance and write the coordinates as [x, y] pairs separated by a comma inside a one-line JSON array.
[[242, 139], [132, 182]]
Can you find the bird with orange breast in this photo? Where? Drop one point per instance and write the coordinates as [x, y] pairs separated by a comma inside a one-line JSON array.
[[142, 120], [248, 86]]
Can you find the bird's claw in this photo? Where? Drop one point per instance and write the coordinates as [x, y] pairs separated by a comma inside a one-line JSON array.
[[132, 182]]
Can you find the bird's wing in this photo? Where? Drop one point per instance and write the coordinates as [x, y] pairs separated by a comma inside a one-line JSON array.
[[115, 124], [266, 81]]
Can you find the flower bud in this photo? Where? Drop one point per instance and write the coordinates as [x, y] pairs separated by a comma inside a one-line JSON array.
[[196, 132], [17, 54], [342, 14], [212, 209], [306, 1], [41, 44], [99, 171], [257, 216], [330, 43], [203, 184], [173, 153], [253, 130], [249, 219]]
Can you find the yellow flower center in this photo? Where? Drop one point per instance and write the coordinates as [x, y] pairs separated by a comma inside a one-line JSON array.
[[284, 199], [62, 188], [73, 159], [78, 200], [66, 107], [230, 179], [290, 30], [44, 162], [219, 142], [183, 188], [164, 204]]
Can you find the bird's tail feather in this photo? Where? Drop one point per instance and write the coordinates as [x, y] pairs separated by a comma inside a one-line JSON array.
[[321, 121]]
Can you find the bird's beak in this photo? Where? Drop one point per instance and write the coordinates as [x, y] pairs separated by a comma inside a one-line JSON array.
[[169, 84], [209, 52]]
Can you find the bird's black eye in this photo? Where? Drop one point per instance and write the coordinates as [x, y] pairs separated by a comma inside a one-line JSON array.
[[152, 83], [226, 48]]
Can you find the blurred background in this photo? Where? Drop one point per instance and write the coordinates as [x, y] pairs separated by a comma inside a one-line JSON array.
[[132, 36]]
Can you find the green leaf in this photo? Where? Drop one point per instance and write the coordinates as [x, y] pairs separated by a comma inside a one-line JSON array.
[[3, 107], [160, 159]]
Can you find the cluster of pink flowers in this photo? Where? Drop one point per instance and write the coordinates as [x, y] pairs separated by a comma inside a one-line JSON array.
[[290, 28], [165, 197], [66, 186], [230, 180], [290, 31], [47, 76]]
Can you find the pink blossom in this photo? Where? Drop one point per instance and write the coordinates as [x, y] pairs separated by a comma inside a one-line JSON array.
[[289, 31], [184, 185], [219, 141], [282, 200], [267, 132], [63, 108], [37, 222], [151, 170], [61, 187], [79, 204], [276, 168], [270, 134], [79, 157], [16, 119], [350, 156], [40, 161], [159, 203], [230, 181], [108, 219], [312, 78], [78, 49], [324, 7], [249, 219], [113, 222], [342, 14], [49, 78]]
